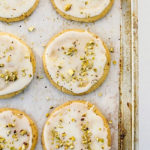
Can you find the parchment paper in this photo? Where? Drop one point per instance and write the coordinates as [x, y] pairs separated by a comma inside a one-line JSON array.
[[41, 95]]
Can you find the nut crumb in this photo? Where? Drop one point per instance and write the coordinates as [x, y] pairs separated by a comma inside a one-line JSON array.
[[47, 115], [67, 7], [100, 94], [31, 29], [111, 50], [110, 122], [114, 62]]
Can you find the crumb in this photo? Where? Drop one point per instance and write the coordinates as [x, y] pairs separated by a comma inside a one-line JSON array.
[[114, 62], [110, 122], [30, 29], [48, 98], [112, 50], [47, 115], [100, 94], [51, 107]]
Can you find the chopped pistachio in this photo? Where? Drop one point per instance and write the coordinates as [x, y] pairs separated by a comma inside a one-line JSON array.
[[71, 147], [39, 77], [13, 148], [93, 58], [51, 107], [8, 59], [61, 120], [62, 48], [90, 45], [67, 7], [47, 115], [110, 122], [100, 94], [2, 75], [9, 76], [61, 142], [23, 74], [30, 75], [48, 98], [81, 58], [30, 29], [23, 132], [11, 48], [2, 65], [73, 120], [72, 138], [95, 69], [1, 147], [10, 125], [71, 72], [84, 115], [114, 62], [86, 137], [62, 77], [81, 12], [2, 140], [26, 57], [23, 147], [14, 136], [112, 50], [8, 132], [71, 51], [64, 134], [86, 2], [59, 67], [100, 140]]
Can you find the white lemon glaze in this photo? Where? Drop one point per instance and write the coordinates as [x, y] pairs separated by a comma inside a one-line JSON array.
[[69, 120], [15, 8], [55, 57], [15, 56], [83, 8], [20, 123]]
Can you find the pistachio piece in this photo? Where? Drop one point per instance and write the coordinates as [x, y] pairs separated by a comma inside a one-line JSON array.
[[67, 7]]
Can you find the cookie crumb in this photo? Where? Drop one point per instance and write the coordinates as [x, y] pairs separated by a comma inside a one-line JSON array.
[[100, 94], [31, 29], [47, 115], [114, 62], [111, 50]]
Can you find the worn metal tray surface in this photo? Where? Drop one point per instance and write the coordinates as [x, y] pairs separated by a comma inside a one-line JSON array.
[[118, 102]]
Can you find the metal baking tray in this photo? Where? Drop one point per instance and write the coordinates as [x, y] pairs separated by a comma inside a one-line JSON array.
[[128, 108], [117, 98]]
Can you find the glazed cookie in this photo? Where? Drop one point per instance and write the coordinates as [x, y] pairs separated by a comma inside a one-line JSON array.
[[83, 10], [76, 61], [16, 10], [76, 125], [17, 65], [17, 130]]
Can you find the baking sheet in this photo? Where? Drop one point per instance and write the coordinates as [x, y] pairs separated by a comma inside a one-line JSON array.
[[128, 108], [40, 95]]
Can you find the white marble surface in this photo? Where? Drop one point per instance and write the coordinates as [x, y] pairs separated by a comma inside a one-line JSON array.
[[144, 58]]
